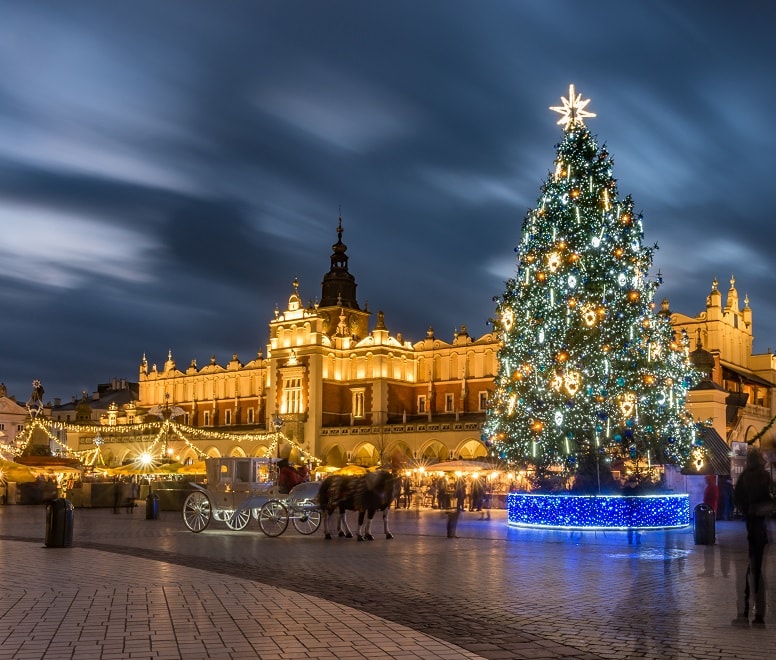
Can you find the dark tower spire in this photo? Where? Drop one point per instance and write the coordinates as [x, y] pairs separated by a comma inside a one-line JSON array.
[[338, 288]]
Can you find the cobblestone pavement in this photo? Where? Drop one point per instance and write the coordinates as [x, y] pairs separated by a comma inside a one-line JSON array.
[[131, 587]]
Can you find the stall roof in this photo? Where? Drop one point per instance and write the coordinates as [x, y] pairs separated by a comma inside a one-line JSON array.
[[717, 452], [746, 374]]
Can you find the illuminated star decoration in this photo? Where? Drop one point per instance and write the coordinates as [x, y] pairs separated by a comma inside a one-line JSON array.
[[572, 110]]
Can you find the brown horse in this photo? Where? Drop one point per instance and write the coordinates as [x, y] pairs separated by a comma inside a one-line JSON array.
[[366, 494]]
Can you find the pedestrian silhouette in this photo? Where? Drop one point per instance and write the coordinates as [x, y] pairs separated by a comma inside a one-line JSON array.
[[753, 495]]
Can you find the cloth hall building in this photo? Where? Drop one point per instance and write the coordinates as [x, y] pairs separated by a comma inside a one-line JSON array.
[[342, 392]]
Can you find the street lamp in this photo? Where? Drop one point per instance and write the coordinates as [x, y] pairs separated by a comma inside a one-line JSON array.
[[277, 422]]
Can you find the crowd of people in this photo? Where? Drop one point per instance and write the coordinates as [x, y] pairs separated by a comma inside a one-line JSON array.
[[472, 493]]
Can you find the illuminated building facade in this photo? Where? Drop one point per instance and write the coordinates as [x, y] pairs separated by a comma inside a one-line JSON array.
[[12, 418], [339, 391], [741, 402]]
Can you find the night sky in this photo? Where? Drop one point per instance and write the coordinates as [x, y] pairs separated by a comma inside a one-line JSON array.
[[168, 168]]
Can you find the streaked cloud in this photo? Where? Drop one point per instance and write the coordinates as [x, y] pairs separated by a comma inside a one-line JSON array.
[[35, 248], [167, 166]]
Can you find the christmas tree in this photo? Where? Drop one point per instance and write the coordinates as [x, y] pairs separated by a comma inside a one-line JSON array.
[[587, 366]]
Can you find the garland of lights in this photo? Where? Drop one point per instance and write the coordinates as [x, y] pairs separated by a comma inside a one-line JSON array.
[[759, 435], [586, 366], [155, 449]]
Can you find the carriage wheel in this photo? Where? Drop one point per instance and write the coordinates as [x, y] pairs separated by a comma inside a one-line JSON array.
[[197, 511], [238, 520], [273, 518], [307, 521]]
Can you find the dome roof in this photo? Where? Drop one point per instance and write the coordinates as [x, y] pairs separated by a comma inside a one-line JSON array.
[[702, 360]]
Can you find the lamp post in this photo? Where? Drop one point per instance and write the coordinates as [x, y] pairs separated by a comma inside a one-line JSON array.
[[277, 422]]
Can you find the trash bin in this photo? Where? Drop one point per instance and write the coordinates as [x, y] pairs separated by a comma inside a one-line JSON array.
[[705, 527], [59, 523], [152, 506]]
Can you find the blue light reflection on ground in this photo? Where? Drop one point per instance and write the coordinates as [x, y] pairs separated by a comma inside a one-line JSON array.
[[652, 554], [598, 512]]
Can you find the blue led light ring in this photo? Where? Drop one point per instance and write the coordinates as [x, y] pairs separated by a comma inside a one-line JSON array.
[[599, 512]]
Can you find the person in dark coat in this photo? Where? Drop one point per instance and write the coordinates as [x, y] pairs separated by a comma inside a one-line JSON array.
[[477, 493], [460, 494], [725, 498], [117, 489], [753, 495]]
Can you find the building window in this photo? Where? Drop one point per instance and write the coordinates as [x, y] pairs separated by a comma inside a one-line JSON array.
[[483, 401], [358, 404], [2, 426], [292, 396], [250, 415], [449, 403], [187, 419], [207, 418], [421, 404], [228, 417]]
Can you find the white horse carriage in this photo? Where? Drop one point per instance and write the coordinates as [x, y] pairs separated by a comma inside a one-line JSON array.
[[239, 489]]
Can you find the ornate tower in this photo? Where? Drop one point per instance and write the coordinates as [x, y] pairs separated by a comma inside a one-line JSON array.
[[339, 286], [338, 296]]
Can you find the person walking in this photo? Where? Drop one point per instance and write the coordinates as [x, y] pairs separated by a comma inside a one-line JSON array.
[[460, 494], [131, 492], [477, 493], [487, 496], [753, 496], [442, 499], [711, 492], [407, 489], [725, 498], [117, 488]]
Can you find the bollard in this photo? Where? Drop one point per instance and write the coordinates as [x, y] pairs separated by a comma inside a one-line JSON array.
[[452, 523], [59, 523], [152, 506], [704, 525]]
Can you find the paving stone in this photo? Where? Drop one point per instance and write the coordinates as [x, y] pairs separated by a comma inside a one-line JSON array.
[[130, 588]]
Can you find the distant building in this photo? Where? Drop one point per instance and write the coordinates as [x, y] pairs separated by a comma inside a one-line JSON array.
[[742, 402], [110, 404], [12, 418]]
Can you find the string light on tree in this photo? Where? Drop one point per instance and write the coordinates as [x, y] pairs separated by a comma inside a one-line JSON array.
[[579, 317]]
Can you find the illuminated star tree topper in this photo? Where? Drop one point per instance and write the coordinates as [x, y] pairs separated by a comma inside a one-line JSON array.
[[573, 110]]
